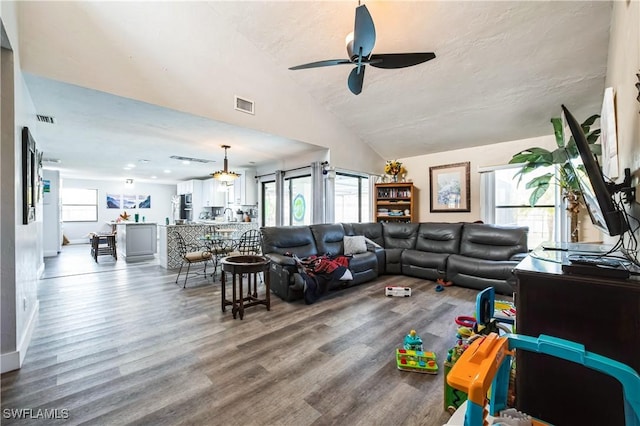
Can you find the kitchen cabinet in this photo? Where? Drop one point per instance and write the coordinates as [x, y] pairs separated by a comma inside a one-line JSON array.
[[185, 187], [245, 189], [137, 240], [193, 187], [214, 193]]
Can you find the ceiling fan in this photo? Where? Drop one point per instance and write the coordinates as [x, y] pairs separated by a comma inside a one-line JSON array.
[[359, 46]]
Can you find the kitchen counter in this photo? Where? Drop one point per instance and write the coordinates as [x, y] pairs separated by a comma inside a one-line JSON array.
[[168, 254], [137, 240]]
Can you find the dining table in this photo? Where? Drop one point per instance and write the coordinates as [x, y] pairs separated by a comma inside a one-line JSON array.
[[220, 244]]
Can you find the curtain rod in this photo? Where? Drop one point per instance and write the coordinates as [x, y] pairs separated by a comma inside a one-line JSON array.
[[284, 171]]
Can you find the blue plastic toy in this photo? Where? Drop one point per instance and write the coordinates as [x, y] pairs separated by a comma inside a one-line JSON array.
[[485, 365]]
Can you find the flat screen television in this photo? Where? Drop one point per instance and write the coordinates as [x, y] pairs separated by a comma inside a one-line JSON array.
[[604, 212]]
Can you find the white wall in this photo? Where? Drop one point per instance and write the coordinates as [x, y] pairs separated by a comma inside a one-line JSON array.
[[484, 156], [623, 65], [21, 245], [160, 209]]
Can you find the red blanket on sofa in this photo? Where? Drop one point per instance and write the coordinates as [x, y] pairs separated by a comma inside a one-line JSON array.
[[319, 272]]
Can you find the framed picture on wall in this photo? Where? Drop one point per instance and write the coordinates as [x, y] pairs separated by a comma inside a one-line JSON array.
[[28, 177], [114, 201], [449, 188], [144, 201]]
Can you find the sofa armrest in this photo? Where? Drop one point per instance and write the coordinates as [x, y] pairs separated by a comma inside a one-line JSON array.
[[371, 245], [518, 256], [281, 259], [381, 255]]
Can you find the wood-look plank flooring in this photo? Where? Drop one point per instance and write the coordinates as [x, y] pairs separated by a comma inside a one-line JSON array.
[[126, 345]]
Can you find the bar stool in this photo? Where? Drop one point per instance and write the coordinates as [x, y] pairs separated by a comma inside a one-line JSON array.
[[103, 244]]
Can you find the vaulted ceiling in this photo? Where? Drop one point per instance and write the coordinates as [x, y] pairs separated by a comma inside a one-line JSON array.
[[129, 81]]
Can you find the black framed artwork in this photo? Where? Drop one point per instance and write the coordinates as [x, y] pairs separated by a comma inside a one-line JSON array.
[[29, 190]]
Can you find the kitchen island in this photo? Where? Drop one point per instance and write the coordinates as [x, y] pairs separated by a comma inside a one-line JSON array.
[[168, 254], [137, 240]]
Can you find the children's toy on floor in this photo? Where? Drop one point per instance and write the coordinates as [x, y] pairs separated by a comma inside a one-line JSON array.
[[397, 291], [412, 341], [412, 358], [491, 316], [483, 372]]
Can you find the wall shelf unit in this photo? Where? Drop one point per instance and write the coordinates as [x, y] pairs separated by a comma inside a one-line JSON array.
[[396, 202]]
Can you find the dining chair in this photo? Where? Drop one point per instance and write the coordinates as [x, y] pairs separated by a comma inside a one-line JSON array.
[[103, 244], [250, 242], [190, 255]]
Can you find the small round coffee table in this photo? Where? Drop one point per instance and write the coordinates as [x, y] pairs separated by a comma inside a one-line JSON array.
[[237, 266]]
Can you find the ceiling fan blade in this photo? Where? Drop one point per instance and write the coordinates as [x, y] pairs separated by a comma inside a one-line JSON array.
[[356, 79], [326, 63], [364, 32], [400, 60]]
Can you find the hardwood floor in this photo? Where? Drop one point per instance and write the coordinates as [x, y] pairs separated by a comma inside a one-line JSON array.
[[126, 345]]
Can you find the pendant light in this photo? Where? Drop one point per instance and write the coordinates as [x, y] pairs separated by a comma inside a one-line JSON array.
[[225, 175]]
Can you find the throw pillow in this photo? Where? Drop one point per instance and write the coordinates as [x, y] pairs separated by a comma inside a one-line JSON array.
[[354, 245], [347, 276]]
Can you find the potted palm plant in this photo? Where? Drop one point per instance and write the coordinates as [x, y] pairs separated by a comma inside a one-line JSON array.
[[565, 177]]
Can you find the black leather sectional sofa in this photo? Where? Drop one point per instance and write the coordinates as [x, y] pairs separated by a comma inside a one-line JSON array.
[[468, 254]]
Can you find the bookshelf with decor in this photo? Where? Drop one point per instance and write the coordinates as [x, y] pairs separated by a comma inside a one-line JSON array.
[[395, 202]]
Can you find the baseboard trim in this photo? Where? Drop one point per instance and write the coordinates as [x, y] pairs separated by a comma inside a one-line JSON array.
[[9, 362], [13, 360], [50, 253], [80, 241]]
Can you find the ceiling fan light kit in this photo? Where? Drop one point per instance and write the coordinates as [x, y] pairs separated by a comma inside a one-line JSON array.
[[225, 175], [360, 44]]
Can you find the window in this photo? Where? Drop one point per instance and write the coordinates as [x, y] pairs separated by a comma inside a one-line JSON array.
[[297, 201], [508, 204], [79, 205], [269, 203], [351, 198]]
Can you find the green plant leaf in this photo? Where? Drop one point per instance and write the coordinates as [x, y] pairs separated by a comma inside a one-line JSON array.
[[568, 178], [558, 131], [596, 149], [537, 194], [593, 136], [539, 180], [534, 158], [586, 124], [560, 156], [531, 155]]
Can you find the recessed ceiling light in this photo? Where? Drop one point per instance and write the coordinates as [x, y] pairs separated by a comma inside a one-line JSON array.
[[131, 165], [143, 161], [127, 168], [186, 162], [154, 177], [167, 171]]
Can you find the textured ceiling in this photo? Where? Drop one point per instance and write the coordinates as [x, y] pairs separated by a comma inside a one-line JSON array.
[[502, 70]]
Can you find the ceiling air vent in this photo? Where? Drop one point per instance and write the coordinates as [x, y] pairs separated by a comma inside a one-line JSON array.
[[192, 160], [244, 105], [46, 119]]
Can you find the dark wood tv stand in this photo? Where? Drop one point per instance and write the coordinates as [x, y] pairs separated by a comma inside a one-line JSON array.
[[601, 313]]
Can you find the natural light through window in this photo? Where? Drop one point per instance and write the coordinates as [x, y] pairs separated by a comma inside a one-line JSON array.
[[79, 205], [512, 206], [351, 198]]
